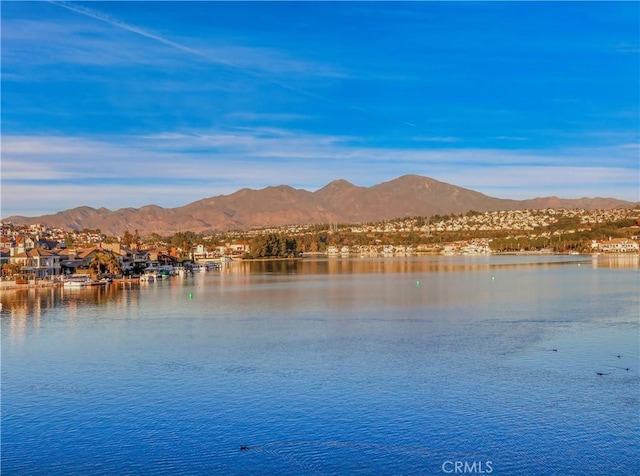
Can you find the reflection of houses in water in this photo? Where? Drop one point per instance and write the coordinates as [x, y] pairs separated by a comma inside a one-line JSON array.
[[23, 309], [629, 260]]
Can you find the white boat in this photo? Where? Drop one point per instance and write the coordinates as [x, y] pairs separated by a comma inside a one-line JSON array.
[[182, 271], [150, 275], [76, 282]]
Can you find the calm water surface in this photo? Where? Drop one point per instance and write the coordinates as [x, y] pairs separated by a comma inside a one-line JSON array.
[[362, 366]]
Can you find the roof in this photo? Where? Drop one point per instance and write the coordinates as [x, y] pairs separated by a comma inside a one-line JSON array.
[[618, 241], [35, 252], [88, 252]]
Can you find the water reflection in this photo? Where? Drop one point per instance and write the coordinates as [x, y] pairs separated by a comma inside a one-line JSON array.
[[379, 265], [616, 261], [23, 309]]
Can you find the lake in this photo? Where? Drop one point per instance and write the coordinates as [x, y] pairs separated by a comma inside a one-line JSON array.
[[513, 365]]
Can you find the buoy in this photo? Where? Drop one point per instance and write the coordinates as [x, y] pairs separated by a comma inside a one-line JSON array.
[[418, 283], [190, 295]]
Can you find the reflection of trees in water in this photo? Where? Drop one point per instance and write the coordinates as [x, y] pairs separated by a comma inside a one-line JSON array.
[[377, 265], [287, 266], [388, 265], [338, 266]]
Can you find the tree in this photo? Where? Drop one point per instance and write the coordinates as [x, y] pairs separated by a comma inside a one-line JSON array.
[[127, 238], [11, 269], [272, 245], [185, 241], [69, 240], [156, 239], [137, 241], [105, 262]]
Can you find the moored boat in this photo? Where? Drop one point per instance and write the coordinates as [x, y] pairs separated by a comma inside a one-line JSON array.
[[76, 282]]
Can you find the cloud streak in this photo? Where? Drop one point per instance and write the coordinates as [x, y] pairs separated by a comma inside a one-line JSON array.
[[205, 55]]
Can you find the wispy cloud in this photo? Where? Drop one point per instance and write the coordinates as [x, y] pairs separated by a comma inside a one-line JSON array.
[[632, 48], [250, 60], [512, 138], [29, 44], [37, 43], [266, 117], [129, 170], [635, 146], [445, 139]]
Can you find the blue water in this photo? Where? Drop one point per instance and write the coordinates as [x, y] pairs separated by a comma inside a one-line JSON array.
[[363, 366]]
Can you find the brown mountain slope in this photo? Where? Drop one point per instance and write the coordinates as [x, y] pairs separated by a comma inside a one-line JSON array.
[[339, 201]]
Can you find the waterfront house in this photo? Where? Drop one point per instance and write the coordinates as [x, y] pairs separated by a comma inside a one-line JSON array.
[[87, 254], [239, 248], [616, 245], [129, 258], [78, 261], [162, 256], [37, 262]]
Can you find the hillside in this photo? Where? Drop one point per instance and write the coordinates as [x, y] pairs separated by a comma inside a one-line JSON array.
[[339, 201]]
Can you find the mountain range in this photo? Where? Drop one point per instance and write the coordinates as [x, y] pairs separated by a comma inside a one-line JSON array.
[[339, 201]]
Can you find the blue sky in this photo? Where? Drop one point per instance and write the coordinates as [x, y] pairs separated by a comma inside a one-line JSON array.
[[123, 104]]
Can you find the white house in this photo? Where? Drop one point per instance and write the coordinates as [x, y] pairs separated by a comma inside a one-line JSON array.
[[616, 245], [38, 262]]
